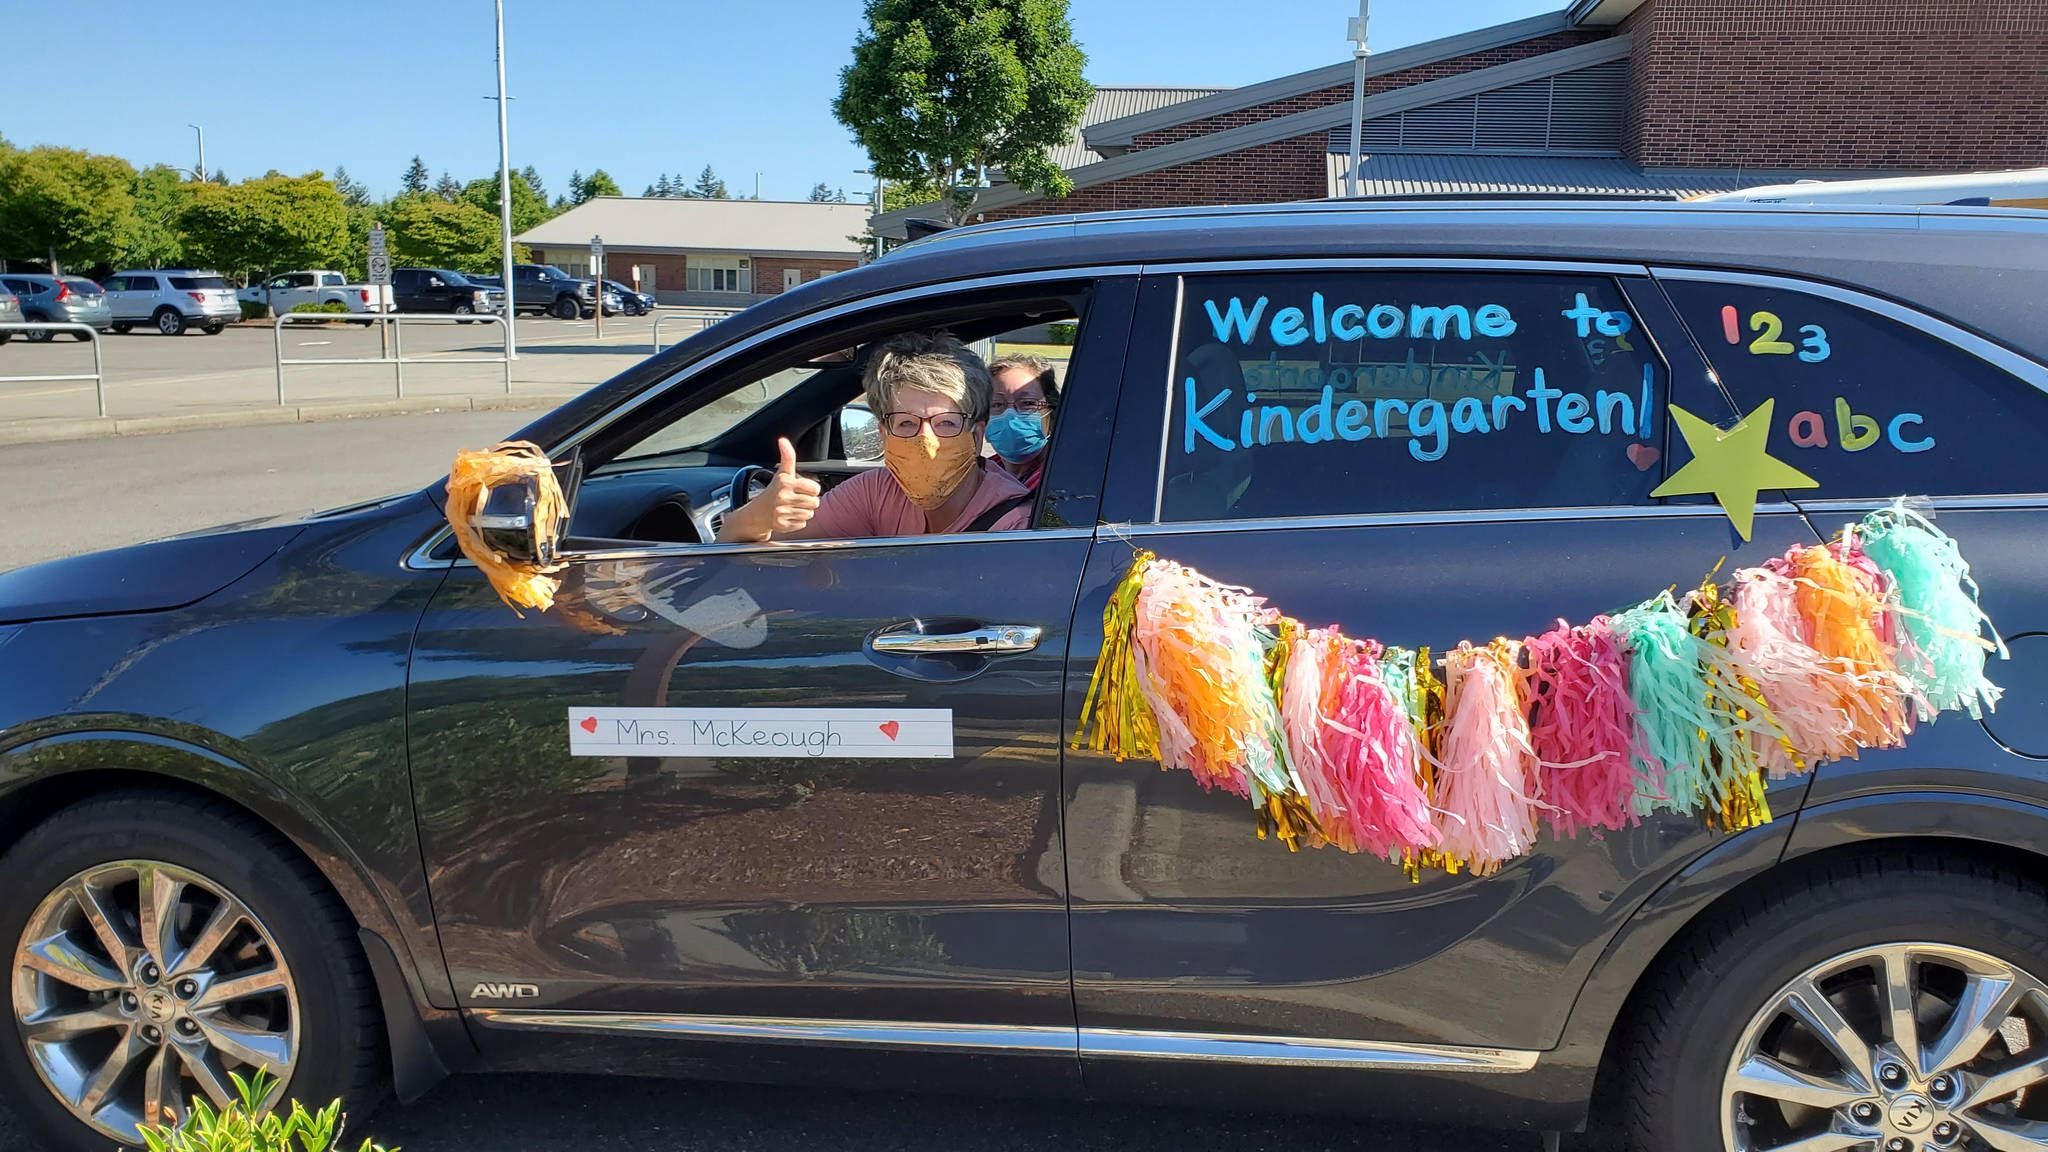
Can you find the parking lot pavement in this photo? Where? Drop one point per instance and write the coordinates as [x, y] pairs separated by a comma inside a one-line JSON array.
[[566, 1113], [89, 494], [150, 375]]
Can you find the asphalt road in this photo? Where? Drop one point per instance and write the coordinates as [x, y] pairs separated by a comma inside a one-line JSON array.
[[67, 498]]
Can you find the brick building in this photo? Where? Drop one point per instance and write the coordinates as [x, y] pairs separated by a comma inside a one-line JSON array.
[[714, 253], [1682, 96]]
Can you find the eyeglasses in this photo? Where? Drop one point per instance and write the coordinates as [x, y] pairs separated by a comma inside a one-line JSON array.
[[944, 425], [1028, 407]]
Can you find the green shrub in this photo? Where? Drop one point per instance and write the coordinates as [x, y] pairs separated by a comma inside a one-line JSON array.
[[1061, 333], [333, 306], [246, 1126], [255, 310]]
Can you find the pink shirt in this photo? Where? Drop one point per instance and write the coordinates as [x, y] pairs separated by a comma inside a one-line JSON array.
[[873, 504]]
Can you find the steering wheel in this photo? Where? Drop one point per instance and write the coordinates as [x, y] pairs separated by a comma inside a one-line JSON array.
[[748, 483]]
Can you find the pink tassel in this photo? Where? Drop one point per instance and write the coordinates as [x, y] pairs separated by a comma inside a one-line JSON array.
[[1374, 760], [1803, 691], [1303, 717], [1488, 766], [1582, 726]]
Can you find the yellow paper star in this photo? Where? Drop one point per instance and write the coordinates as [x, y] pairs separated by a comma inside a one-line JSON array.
[[1734, 465]]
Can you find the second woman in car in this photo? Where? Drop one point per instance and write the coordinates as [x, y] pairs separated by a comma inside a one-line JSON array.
[[1026, 395], [933, 398]]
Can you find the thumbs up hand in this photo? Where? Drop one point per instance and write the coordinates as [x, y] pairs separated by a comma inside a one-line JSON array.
[[784, 506]]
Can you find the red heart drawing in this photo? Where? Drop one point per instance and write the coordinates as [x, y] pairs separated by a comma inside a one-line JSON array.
[[590, 725], [1643, 456], [890, 729]]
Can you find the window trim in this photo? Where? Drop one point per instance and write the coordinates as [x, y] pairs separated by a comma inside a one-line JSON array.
[[1617, 272], [1963, 340]]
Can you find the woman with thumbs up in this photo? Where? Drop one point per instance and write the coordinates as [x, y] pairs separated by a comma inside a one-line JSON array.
[[932, 395]]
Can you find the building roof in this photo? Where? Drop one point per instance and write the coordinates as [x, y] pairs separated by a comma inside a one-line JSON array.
[[1111, 135], [743, 226], [1428, 174], [1118, 104]]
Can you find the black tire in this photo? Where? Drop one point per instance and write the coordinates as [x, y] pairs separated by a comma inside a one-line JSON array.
[[1683, 1030], [81, 337], [463, 308], [214, 329], [169, 321], [340, 1032], [39, 335], [120, 329], [5, 337], [566, 308]]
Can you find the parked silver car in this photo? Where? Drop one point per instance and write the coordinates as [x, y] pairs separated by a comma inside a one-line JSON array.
[[62, 299], [171, 300], [10, 313]]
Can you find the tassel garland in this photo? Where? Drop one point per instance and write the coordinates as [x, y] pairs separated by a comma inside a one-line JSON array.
[[1678, 705]]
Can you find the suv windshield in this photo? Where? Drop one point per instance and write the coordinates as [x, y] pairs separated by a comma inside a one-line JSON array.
[[715, 419], [190, 282], [455, 278], [551, 270]]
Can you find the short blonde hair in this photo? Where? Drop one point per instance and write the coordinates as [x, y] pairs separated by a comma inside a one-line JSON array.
[[1039, 368], [932, 362]]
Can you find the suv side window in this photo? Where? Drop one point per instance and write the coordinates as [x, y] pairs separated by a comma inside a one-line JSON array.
[[142, 284], [1865, 404], [1345, 393]]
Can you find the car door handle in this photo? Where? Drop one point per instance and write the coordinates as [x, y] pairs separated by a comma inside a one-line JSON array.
[[993, 638]]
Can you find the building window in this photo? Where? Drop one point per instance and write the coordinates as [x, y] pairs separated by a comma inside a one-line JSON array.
[[720, 274]]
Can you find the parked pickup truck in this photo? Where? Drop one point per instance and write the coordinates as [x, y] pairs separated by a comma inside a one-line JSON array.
[[546, 288], [287, 290]]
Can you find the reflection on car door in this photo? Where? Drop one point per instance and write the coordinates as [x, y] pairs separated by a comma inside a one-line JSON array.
[[674, 889], [1187, 926]]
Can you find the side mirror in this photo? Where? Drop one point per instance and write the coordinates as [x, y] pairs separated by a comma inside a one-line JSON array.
[[507, 522], [860, 434]]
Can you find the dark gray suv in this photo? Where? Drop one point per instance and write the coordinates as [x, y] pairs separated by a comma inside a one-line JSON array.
[[309, 796]]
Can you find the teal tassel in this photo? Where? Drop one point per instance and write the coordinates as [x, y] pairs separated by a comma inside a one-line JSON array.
[[1692, 756], [1941, 613]]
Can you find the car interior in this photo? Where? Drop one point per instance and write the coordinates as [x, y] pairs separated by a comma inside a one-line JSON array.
[[669, 473]]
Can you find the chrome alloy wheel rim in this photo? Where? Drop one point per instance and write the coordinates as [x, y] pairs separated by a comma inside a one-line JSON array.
[[1910, 1047], [138, 985]]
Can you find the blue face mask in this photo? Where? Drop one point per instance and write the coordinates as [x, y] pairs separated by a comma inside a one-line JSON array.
[[1016, 435]]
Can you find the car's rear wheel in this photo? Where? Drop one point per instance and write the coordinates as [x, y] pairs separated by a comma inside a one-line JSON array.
[[120, 329], [1888, 1003], [159, 944], [38, 335], [567, 308], [169, 321]]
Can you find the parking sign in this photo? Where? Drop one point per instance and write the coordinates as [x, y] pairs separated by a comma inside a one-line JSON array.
[[380, 262]]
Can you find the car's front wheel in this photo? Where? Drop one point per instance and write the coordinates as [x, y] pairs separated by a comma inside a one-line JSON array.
[[120, 329], [566, 308], [160, 944], [1888, 1003], [463, 308]]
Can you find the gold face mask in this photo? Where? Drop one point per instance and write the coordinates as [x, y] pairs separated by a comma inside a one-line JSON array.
[[930, 468]]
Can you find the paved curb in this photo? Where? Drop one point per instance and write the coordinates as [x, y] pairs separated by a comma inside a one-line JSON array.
[[56, 430]]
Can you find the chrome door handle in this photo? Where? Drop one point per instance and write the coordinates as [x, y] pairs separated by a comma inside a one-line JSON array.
[[994, 638]]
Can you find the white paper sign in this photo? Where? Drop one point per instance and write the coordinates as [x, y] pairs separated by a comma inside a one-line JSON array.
[[841, 733]]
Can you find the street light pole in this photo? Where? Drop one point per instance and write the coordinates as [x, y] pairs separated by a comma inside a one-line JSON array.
[[202, 150], [505, 200], [1358, 54]]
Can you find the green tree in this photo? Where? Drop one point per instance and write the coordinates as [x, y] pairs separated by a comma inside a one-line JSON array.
[[64, 204], [598, 183], [275, 222], [352, 191], [532, 178], [823, 193], [415, 179], [707, 187], [447, 188], [433, 233], [942, 91], [528, 207], [156, 238]]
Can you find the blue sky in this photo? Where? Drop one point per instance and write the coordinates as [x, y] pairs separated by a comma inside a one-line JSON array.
[[634, 88]]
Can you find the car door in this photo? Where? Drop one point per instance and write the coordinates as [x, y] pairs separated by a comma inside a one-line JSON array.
[[762, 876], [118, 296], [1422, 454]]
